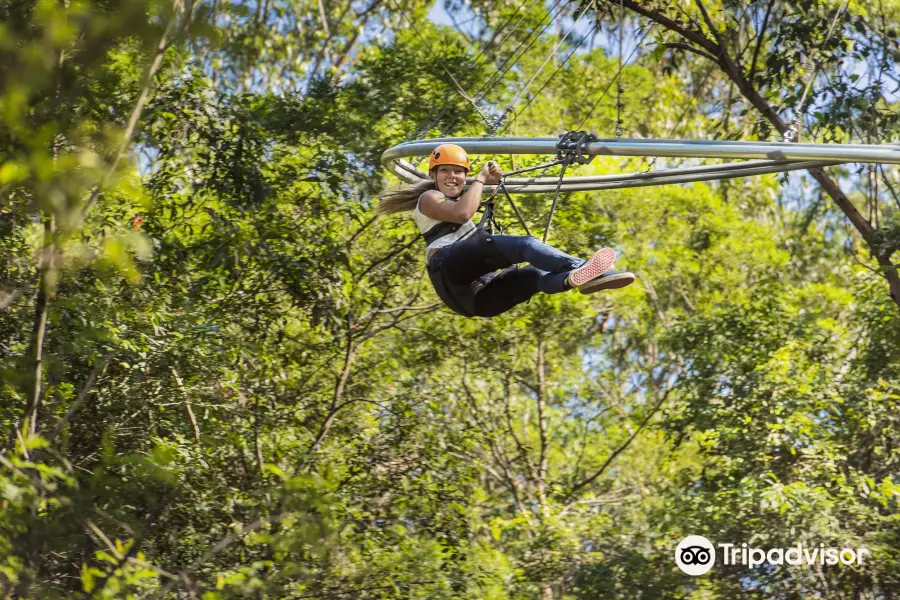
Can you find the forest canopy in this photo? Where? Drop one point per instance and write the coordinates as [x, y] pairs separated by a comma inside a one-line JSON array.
[[223, 376]]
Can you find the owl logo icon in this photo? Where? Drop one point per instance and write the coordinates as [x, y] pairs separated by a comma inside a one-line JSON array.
[[695, 555]]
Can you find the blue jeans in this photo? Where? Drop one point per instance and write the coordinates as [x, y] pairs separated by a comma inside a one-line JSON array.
[[465, 274]]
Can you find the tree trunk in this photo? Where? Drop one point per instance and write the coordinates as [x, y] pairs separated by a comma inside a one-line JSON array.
[[717, 51], [47, 286]]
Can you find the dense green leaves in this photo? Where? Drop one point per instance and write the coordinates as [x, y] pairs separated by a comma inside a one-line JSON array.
[[222, 377]]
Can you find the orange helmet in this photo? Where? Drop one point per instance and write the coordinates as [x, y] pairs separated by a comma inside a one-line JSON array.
[[448, 154]]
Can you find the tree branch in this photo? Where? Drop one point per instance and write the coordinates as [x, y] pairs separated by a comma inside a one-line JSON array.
[[542, 428], [689, 48], [323, 18], [386, 258], [13, 297], [98, 371], [348, 46], [523, 452], [216, 548], [759, 39], [187, 404], [696, 36], [590, 479], [39, 329], [866, 230], [336, 399], [161, 48]]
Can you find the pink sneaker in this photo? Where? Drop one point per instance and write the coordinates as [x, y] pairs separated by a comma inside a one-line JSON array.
[[601, 262]]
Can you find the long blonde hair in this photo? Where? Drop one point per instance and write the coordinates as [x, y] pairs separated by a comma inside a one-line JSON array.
[[403, 199]]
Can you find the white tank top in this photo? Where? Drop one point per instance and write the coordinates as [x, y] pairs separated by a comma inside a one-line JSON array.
[[425, 223]]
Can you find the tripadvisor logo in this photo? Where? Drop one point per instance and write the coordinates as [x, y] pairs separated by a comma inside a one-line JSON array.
[[696, 555]]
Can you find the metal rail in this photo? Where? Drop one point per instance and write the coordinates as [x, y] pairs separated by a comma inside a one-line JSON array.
[[537, 185], [886, 153], [772, 157]]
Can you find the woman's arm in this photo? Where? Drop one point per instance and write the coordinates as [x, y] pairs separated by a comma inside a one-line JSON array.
[[433, 203]]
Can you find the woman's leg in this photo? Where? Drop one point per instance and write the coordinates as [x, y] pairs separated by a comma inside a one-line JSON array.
[[510, 287], [526, 248], [470, 258]]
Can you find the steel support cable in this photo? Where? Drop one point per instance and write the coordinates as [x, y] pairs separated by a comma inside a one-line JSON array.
[[515, 208], [515, 27], [549, 79], [502, 186], [555, 72], [793, 133], [552, 52], [562, 176], [615, 77], [459, 88], [471, 66], [498, 72], [504, 68]]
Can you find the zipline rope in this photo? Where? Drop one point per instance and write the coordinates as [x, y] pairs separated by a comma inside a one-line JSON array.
[[506, 66], [459, 88], [793, 133], [426, 124], [503, 69], [549, 79], [553, 52], [615, 77], [619, 88]]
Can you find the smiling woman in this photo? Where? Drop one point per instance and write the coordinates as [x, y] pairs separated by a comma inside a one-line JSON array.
[[474, 272]]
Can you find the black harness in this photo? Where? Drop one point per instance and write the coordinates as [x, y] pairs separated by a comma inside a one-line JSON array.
[[443, 228]]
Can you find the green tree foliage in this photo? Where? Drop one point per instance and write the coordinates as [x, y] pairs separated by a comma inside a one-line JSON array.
[[221, 376]]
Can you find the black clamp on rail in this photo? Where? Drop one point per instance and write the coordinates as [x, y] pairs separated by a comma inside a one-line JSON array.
[[572, 146]]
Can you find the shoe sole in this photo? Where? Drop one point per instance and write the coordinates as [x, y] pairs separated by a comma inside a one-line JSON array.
[[601, 262], [613, 282]]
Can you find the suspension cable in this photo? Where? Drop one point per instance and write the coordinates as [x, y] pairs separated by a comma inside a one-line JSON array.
[[498, 72], [506, 66], [553, 51], [793, 133], [471, 65], [549, 79], [562, 175], [459, 88], [615, 77], [501, 187], [619, 88], [503, 69], [511, 31]]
